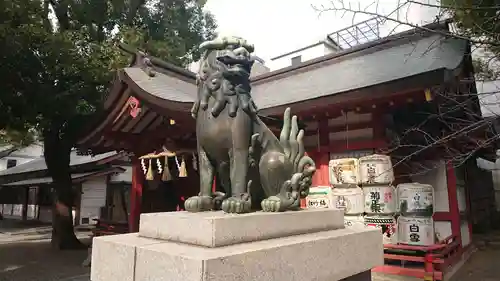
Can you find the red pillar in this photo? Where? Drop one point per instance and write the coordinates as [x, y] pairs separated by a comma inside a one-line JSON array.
[[135, 197], [321, 177], [323, 155], [453, 201]]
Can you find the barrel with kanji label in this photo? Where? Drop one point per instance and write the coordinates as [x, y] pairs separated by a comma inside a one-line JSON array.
[[356, 221], [319, 197], [348, 199], [380, 200], [375, 169], [387, 225], [416, 200], [344, 171], [416, 231]]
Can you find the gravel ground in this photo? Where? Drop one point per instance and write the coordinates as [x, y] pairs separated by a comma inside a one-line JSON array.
[[36, 261], [26, 255]]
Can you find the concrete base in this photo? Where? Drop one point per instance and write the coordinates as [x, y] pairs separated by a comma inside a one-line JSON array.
[[313, 246]]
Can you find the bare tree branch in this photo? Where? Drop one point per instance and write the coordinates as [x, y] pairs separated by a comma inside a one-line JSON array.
[[341, 7]]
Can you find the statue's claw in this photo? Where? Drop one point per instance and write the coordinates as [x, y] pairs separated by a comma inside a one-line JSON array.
[[273, 204], [199, 204], [237, 205]]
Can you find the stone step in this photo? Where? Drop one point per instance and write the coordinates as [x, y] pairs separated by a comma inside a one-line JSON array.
[[216, 229]]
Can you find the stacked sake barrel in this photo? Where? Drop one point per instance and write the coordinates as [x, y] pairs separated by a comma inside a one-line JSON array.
[[347, 195], [380, 198], [416, 205], [319, 197]]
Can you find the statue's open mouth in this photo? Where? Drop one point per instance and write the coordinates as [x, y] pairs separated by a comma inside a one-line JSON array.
[[236, 64]]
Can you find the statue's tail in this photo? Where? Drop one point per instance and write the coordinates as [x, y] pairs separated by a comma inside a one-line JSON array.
[[291, 139]]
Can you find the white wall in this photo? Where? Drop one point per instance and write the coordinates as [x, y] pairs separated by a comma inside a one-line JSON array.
[[489, 97], [306, 54], [495, 172], [92, 199], [15, 211]]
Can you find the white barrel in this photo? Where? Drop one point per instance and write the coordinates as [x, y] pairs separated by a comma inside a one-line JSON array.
[[387, 225], [415, 199], [376, 169], [319, 197], [416, 231], [344, 171], [348, 199], [356, 221], [380, 200]]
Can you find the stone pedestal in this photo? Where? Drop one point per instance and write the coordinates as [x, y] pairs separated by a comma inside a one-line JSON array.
[[213, 246]]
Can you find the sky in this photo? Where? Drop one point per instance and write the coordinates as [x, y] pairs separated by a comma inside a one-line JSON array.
[[279, 26]]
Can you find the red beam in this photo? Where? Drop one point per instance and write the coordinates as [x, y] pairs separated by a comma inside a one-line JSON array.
[[453, 201], [342, 146], [341, 128], [403, 258], [350, 101], [413, 272]]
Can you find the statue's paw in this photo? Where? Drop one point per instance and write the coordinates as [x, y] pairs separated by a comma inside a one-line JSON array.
[[199, 204], [236, 205], [272, 204]]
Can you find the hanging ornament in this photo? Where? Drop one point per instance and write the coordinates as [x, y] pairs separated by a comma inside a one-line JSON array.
[[195, 164], [158, 165], [143, 166], [166, 176], [150, 175], [182, 169], [177, 163]]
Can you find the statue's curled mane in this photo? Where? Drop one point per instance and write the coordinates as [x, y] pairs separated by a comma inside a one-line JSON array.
[[223, 75]]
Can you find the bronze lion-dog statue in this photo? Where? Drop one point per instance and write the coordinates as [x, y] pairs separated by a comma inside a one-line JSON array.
[[254, 168]]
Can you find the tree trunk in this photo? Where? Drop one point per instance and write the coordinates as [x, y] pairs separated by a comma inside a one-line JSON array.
[[57, 157]]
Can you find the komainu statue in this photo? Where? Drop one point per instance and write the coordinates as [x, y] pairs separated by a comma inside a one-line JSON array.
[[253, 168]]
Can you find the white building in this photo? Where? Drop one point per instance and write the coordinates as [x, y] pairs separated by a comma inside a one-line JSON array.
[[11, 157], [100, 182], [309, 52]]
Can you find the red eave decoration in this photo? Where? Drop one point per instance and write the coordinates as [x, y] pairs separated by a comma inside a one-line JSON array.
[[134, 106]]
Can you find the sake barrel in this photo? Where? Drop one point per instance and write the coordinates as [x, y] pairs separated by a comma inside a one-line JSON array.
[[387, 225], [354, 221], [380, 200], [416, 231], [319, 197], [416, 199], [344, 171], [349, 199], [375, 169]]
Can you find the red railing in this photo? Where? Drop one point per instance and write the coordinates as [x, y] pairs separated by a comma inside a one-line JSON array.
[[431, 261]]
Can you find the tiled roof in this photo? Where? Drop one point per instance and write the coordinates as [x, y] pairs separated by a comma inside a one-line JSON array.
[[39, 163], [369, 67], [76, 177]]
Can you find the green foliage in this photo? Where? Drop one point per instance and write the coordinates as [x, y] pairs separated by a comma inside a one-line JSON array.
[[58, 58], [480, 20], [57, 66], [172, 30]]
